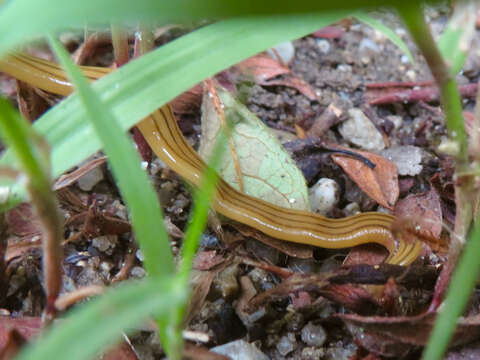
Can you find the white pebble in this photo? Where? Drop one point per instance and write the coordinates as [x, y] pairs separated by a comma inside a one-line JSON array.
[[407, 158], [313, 335], [324, 195], [286, 50], [90, 179], [323, 45], [360, 131]]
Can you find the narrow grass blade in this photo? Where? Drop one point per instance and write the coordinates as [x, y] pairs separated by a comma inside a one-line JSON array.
[[143, 85], [133, 182], [385, 30], [454, 43], [461, 288], [33, 157], [40, 16], [92, 326]]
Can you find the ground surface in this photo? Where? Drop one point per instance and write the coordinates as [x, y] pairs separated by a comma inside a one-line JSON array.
[[296, 322]]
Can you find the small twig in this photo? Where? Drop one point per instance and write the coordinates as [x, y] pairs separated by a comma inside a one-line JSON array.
[[412, 14], [67, 300]]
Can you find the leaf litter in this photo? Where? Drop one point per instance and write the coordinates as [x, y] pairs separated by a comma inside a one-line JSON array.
[[286, 300]]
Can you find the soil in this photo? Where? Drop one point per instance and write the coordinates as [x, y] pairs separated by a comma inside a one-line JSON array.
[[236, 266]]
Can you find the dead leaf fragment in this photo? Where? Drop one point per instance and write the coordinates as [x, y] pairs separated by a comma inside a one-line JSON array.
[[262, 67], [379, 182], [423, 210], [265, 71], [70, 178]]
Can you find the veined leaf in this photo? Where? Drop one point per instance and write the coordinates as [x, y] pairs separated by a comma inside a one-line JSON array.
[[267, 170]]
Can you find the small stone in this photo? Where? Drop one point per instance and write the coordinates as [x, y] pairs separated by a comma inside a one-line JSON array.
[[312, 353], [351, 209], [407, 158], [324, 195], [341, 352], [90, 179], [368, 45], [404, 59], [225, 283], [286, 50], [411, 75], [313, 335], [360, 131], [103, 243], [240, 350], [286, 344], [138, 272], [396, 120], [139, 255], [323, 45]]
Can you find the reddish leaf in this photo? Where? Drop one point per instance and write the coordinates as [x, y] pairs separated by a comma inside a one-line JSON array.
[[396, 336], [262, 67], [27, 327], [296, 83], [22, 222], [121, 351], [380, 183], [369, 254], [188, 102], [205, 260], [355, 298], [12, 346], [424, 211], [329, 32]]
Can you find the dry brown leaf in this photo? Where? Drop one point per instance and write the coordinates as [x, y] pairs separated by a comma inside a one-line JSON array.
[[424, 211], [206, 260], [396, 336], [188, 102], [368, 254], [262, 67], [70, 178], [380, 183]]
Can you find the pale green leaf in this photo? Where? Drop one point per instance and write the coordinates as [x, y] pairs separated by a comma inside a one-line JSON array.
[[267, 170]]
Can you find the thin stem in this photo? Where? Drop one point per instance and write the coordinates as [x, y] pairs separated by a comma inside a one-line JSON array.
[[414, 19], [33, 156], [120, 45]]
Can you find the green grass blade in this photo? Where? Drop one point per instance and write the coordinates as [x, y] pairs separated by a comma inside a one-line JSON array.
[[143, 85], [92, 326], [40, 16], [461, 288], [454, 43], [385, 30], [133, 182], [23, 143]]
